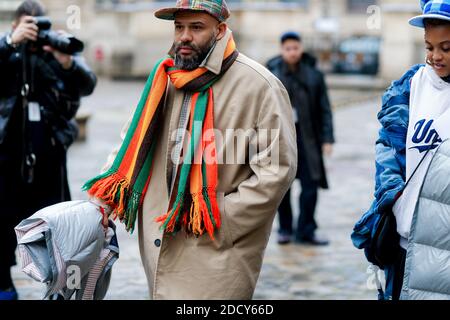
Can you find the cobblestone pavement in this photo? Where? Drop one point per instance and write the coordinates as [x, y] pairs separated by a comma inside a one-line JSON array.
[[337, 271]]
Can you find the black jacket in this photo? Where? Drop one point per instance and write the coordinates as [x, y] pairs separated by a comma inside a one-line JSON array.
[[308, 94], [57, 89]]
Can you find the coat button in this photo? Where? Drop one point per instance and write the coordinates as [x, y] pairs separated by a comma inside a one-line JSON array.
[[158, 243]]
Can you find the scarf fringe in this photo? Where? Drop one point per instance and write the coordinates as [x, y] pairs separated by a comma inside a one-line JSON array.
[[210, 195], [203, 215], [200, 216], [130, 214], [168, 220], [114, 190]]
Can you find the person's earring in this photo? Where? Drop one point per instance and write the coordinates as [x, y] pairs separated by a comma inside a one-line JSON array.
[[427, 61]]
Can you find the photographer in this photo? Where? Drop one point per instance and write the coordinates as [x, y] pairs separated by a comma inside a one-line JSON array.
[[40, 91]]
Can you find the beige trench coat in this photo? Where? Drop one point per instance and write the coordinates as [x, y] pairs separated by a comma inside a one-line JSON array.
[[250, 98]]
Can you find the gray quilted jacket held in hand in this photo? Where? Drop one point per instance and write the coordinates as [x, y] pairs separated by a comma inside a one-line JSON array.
[[67, 247], [427, 267]]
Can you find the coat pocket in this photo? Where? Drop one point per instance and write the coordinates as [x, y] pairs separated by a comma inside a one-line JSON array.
[[225, 232], [222, 236]]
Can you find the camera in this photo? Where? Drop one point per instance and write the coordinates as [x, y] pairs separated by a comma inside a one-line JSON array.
[[65, 43]]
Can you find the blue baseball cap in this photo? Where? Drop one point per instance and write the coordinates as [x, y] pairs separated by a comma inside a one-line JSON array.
[[432, 9]]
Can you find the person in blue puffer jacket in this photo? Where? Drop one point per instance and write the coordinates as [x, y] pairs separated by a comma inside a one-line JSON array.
[[390, 162], [407, 131]]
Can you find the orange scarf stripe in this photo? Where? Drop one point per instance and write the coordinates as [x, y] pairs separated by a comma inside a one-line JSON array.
[[212, 168], [231, 47], [209, 125], [180, 78]]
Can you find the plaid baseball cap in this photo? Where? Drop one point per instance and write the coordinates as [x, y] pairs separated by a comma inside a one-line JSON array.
[[217, 8], [432, 9]]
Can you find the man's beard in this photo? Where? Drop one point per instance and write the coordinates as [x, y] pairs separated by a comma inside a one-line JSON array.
[[199, 54]]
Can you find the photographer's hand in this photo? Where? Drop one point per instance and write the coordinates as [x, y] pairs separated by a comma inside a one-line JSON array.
[[65, 60], [25, 30]]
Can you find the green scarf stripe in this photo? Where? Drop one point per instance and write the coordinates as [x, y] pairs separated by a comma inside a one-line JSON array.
[[92, 181], [205, 193], [179, 198], [131, 211], [136, 195]]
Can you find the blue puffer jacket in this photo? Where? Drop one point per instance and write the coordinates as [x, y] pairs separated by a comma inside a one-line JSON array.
[[390, 163]]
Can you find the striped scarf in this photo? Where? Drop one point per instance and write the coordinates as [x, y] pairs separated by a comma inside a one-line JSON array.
[[124, 185]]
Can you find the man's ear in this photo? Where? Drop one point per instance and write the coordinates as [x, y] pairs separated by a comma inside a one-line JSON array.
[[14, 24], [222, 30]]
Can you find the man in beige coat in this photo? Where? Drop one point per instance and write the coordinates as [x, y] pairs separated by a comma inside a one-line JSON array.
[[252, 107]]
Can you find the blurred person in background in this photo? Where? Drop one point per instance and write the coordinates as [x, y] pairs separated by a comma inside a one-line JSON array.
[[36, 128], [314, 124]]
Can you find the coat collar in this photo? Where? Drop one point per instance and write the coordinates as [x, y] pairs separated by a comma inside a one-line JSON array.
[[214, 59]]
